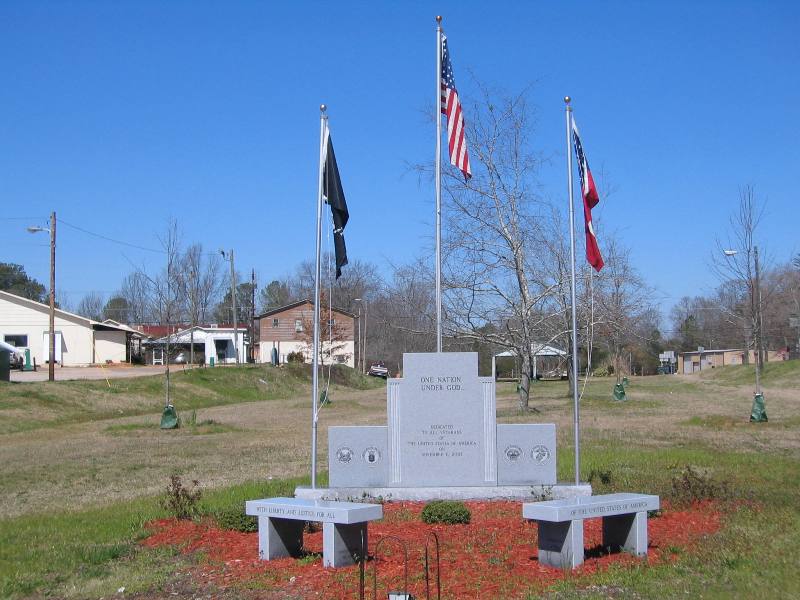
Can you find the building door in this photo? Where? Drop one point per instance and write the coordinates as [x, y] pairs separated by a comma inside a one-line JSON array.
[[46, 346], [221, 346]]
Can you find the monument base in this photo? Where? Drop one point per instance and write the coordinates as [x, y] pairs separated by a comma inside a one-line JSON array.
[[530, 493]]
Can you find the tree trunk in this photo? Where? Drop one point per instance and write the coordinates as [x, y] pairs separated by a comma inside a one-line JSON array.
[[524, 383], [746, 354]]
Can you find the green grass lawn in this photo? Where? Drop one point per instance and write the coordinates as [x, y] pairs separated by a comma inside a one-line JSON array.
[[94, 552], [643, 445]]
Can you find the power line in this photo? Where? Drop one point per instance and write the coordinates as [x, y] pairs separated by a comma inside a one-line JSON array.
[[108, 239]]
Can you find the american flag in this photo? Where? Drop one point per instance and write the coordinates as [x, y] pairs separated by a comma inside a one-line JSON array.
[[590, 200], [455, 119]]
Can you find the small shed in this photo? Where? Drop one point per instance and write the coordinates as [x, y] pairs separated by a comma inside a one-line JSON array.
[[547, 361], [209, 342]]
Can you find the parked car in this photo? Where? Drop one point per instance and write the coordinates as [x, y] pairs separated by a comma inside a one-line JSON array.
[[16, 355], [378, 369], [553, 374]]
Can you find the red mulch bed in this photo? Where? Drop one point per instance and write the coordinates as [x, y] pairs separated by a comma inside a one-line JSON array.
[[492, 557]]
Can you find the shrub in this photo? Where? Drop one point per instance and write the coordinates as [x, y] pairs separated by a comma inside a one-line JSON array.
[[182, 501], [600, 479], [445, 511], [234, 518], [295, 357], [692, 485]]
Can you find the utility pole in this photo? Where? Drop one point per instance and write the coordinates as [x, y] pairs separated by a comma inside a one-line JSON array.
[[364, 345], [361, 362], [51, 366], [360, 351], [253, 315], [233, 305]]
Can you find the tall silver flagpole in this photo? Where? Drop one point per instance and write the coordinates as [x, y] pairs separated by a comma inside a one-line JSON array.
[[438, 110], [577, 417], [323, 126]]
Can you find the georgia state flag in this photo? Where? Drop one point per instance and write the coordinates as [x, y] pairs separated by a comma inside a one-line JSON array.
[[590, 200]]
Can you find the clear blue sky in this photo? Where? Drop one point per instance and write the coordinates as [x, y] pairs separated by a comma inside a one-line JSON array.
[[121, 115]]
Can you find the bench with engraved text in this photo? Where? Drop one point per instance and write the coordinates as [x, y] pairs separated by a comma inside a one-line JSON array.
[[344, 527], [561, 525]]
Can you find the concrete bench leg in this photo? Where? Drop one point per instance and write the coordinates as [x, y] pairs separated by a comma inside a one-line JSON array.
[[561, 544], [341, 544], [626, 532], [278, 538]]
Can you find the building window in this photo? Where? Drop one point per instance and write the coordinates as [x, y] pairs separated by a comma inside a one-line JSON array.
[[331, 322], [20, 341], [274, 322], [298, 325]]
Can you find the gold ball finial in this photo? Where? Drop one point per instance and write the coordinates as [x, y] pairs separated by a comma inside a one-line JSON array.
[[323, 108], [567, 99], [439, 19]]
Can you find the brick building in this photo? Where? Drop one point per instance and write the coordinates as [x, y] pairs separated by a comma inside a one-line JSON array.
[[289, 329]]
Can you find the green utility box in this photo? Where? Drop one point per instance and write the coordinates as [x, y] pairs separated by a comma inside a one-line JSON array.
[[758, 414], [169, 418], [28, 366]]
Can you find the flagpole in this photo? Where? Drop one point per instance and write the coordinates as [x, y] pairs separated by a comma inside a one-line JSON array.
[[323, 124], [437, 110], [576, 406]]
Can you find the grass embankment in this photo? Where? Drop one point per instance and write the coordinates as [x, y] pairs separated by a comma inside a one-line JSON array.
[[28, 406], [776, 373]]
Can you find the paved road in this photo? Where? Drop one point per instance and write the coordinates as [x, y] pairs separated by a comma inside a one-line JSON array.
[[112, 372]]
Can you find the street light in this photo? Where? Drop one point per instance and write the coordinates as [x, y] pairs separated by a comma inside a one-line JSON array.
[[51, 371], [758, 325], [233, 303], [362, 348]]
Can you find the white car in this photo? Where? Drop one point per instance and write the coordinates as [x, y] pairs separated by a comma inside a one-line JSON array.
[[17, 358], [378, 369]]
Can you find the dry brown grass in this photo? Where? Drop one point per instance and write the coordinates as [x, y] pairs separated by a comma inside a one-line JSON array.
[[97, 462]]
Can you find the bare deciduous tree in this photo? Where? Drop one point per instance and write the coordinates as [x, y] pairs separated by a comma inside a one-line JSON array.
[[91, 306], [135, 291], [623, 302], [199, 282], [494, 226], [164, 290], [332, 334], [735, 259]]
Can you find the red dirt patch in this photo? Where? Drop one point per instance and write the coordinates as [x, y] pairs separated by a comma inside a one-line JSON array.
[[492, 557]]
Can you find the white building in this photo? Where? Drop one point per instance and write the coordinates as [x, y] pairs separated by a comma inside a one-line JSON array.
[[209, 342], [80, 341]]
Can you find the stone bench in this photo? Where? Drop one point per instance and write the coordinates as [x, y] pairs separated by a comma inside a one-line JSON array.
[[281, 522], [561, 525]]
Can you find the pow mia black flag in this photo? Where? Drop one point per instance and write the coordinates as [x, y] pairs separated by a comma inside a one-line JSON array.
[[334, 196]]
